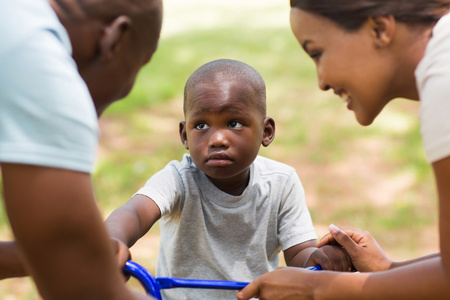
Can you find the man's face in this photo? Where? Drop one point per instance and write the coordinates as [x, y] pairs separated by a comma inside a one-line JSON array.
[[112, 77]]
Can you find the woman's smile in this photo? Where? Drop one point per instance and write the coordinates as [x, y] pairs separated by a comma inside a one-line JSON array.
[[345, 97]]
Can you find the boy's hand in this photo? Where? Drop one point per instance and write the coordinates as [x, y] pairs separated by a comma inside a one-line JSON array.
[[329, 257], [122, 252]]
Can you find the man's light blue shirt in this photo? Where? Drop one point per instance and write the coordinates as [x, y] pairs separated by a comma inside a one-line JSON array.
[[47, 116]]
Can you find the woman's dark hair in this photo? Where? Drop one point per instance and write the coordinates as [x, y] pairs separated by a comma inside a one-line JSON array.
[[351, 14]]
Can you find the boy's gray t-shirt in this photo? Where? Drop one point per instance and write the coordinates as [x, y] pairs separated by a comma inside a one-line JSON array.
[[209, 234]]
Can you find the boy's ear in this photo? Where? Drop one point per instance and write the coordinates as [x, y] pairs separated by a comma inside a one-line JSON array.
[[113, 36], [183, 135], [269, 131], [382, 30]]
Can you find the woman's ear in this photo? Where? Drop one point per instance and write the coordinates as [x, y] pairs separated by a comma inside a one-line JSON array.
[[183, 135], [382, 30], [113, 36], [269, 131]]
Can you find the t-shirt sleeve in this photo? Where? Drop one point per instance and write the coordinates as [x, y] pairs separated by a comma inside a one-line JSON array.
[[165, 188], [433, 81], [294, 220], [47, 116]]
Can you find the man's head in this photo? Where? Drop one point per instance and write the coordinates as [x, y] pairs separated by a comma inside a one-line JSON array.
[[225, 122], [111, 41]]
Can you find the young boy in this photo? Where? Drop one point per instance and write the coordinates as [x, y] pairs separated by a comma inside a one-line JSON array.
[[225, 211]]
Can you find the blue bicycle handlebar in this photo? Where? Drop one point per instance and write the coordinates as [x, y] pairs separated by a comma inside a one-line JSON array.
[[153, 285]]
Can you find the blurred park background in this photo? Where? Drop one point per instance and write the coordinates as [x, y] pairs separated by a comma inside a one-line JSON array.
[[374, 178]]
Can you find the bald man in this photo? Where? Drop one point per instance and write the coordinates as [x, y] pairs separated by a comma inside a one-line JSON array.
[[49, 134]]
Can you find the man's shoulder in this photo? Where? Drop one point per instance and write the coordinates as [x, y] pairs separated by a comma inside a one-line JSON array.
[[21, 20]]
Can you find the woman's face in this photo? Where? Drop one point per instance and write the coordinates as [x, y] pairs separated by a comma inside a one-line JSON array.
[[349, 63]]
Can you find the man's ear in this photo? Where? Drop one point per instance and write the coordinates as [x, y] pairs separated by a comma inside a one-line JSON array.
[[113, 36], [183, 135], [269, 131], [382, 30]]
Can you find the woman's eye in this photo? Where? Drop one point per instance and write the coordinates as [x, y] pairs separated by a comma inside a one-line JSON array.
[[235, 124], [315, 54], [201, 126]]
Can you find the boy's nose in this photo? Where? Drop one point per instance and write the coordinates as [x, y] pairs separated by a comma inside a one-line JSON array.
[[218, 139]]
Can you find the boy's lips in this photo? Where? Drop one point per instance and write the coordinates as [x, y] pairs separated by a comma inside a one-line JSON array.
[[218, 159]]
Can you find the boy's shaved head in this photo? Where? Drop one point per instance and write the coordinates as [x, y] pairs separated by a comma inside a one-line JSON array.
[[229, 70]]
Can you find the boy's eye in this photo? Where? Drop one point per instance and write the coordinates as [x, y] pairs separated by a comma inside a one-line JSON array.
[[201, 126], [235, 124]]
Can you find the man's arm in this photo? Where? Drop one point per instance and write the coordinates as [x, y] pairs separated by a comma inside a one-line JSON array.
[[60, 233], [10, 263]]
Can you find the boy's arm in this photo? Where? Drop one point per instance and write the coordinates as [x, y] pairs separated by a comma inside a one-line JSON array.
[[298, 255], [132, 220], [307, 254]]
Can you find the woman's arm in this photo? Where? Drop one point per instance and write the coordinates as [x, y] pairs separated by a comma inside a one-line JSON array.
[[442, 174], [422, 278], [366, 254]]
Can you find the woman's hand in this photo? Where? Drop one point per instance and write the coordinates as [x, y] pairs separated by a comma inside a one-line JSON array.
[[364, 251], [286, 283]]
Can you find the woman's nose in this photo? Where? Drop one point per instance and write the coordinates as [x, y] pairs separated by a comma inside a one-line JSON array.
[[322, 84]]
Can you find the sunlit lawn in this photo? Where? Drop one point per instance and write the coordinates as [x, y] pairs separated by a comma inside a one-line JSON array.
[[374, 178]]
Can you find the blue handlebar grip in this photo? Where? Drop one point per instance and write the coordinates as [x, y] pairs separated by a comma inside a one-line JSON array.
[[144, 277], [170, 283], [153, 285]]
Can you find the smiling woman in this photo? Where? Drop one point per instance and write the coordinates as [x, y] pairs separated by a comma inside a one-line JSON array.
[[370, 52], [341, 57]]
